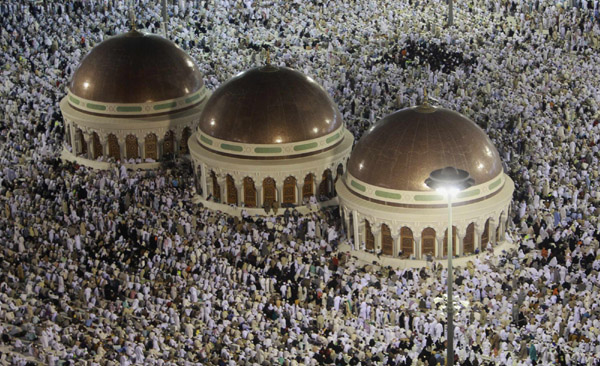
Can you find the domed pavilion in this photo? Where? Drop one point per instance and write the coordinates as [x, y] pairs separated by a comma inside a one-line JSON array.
[[388, 207], [136, 98], [269, 134]]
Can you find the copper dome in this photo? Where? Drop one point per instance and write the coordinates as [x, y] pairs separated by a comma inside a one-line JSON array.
[[269, 105], [401, 150], [136, 67]]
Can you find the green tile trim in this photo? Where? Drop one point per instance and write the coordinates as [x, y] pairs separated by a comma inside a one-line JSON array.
[[165, 106], [267, 150], [129, 108], [496, 183], [427, 197], [311, 145], [98, 107], [192, 98], [357, 185], [231, 147], [394, 196], [206, 139], [470, 193], [74, 100], [333, 138]]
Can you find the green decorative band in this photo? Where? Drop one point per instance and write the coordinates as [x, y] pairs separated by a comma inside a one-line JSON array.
[[74, 100], [123, 108], [267, 150], [464, 194], [302, 147], [205, 139], [427, 197], [231, 147], [496, 183], [357, 185], [158, 107], [394, 196], [98, 107], [333, 138], [192, 98]]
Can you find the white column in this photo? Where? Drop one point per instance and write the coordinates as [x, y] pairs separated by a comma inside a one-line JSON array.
[[299, 193], [88, 141], [223, 189], [376, 231], [476, 238], [259, 195], [203, 180], [240, 194], [396, 239], [417, 246]]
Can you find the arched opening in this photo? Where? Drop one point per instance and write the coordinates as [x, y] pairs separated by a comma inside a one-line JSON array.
[[183, 145], [131, 147], [307, 188], [469, 240], [97, 146], [169, 145], [369, 238], [485, 236], [406, 242], [114, 150], [150, 143], [387, 242], [215, 187], [454, 240], [232, 194], [339, 171], [428, 242], [269, 191], [82, 150], [326, 186], [249, 192], [289, 191]]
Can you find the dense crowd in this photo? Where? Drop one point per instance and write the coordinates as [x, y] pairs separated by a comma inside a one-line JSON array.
[[119, 267]]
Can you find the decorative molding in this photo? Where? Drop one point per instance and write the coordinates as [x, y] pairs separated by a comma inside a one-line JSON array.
[[133, 109], [270, 150]]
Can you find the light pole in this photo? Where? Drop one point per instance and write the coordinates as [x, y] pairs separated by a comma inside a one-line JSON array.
[[449, 181], [450, 13]]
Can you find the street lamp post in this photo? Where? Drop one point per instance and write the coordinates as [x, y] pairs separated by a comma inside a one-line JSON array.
[[449, 181], [450, 13]]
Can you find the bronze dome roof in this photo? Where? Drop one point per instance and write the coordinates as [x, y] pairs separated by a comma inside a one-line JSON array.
[[401, 150], [269, 105], [136, 67]]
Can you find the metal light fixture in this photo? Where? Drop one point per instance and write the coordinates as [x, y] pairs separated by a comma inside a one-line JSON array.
[[449, 181]]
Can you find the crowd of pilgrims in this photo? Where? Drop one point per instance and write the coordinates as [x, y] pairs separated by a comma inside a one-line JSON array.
[[119, 267]]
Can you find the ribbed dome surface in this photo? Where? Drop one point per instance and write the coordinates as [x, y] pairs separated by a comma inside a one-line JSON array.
[[136, 67], [402, 149], [269, 105]]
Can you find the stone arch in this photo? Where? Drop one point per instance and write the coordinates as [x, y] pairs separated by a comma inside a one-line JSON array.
[[469, 240], [249, 192], [269, 191], [81, 144], [215, 187], [485, 235], [454, 240], [132, 150], [183, 144], [150, 146], [369, 238], [308, 187], [114, 150], [387, 242], [96, 146], [428, 240], [339, 171], [232, 193], [326, 186], [289, 191], [168, 150], [406, 242]]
